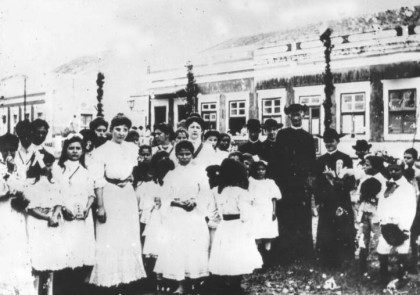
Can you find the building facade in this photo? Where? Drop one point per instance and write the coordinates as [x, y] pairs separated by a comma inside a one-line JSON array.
[[375, 65]]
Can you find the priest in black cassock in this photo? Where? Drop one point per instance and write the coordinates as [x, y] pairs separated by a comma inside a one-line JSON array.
[[253, 146], [291, 167], [336, 232]]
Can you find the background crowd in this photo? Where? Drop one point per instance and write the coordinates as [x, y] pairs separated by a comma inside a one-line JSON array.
[[186, 211]]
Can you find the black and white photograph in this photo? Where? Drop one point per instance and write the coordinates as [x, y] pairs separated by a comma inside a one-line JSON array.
[[209, 147]]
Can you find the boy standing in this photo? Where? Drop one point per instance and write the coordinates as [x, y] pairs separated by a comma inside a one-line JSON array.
[[396, 212]]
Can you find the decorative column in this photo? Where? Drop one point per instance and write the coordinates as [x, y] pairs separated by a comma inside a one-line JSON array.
[[328, 78]]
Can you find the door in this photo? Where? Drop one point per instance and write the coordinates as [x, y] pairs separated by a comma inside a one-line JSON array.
[[160, 114], [182, 112]]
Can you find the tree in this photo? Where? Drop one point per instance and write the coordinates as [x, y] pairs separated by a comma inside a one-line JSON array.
[[191, 91], [100, 82]]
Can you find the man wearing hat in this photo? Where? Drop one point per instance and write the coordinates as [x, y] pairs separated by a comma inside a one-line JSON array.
[[336, 231], [253, 146], [291, 167], [271, 128], [396, 212]]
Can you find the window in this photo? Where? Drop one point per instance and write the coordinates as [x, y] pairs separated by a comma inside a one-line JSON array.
[[237, 108], [312, 118], [311, 121], [209, 114], [237, 116], [402, 111], [271, 108], [86, 119], [353, 107]]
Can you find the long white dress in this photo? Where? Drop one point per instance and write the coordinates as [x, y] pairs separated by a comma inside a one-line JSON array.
[[76, 186], [47, 248], [15, 263], [118, 256], [262, 193], [155, 233], [187, 240], [234, 251]]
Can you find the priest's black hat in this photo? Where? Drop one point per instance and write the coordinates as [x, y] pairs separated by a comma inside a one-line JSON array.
[[253, 125], [330, 135], [295, 108]]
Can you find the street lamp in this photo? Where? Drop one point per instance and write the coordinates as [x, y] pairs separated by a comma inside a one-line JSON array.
[[131, 104]]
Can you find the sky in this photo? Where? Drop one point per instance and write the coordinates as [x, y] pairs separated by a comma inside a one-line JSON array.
[[37, 36]]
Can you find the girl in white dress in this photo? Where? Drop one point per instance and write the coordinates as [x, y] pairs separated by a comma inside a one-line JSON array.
[[234, 251], [76, 189], [264, 193], [185, 254], [47, 250], [149, 194], [15, 264], [118, 257]]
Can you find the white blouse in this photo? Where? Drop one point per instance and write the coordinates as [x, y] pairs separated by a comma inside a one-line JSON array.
[[113, 160], [75, 184]]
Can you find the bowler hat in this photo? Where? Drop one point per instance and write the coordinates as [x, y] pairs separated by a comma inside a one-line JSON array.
[[362, 145], [271, 123]]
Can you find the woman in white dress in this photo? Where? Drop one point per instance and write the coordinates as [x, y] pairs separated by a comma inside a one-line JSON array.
[[234, 252], [15, 264], [118, 250], [187, 242], [76, 189], [264, 193], [204, 155]]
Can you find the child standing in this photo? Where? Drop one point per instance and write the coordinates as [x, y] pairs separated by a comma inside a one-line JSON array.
[[47, 249], [15, 265], [76, 189], [367, 212], [233, 252], [187, 242], [396, 211], [264, 193]]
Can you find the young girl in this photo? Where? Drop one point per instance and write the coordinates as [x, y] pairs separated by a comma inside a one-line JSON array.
[[15, 264], [234, 252], [149, 193], [76, 189], [185, 254], [264, 193], [47, 249], [155, 232]]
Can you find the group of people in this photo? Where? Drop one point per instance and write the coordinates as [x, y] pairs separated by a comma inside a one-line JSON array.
[[188, 209]]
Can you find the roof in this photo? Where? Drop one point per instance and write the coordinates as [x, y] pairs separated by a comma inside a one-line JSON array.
[[388, 19]]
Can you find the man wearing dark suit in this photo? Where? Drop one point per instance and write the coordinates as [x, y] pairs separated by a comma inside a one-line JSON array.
[[253, 146], [291, 167]]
